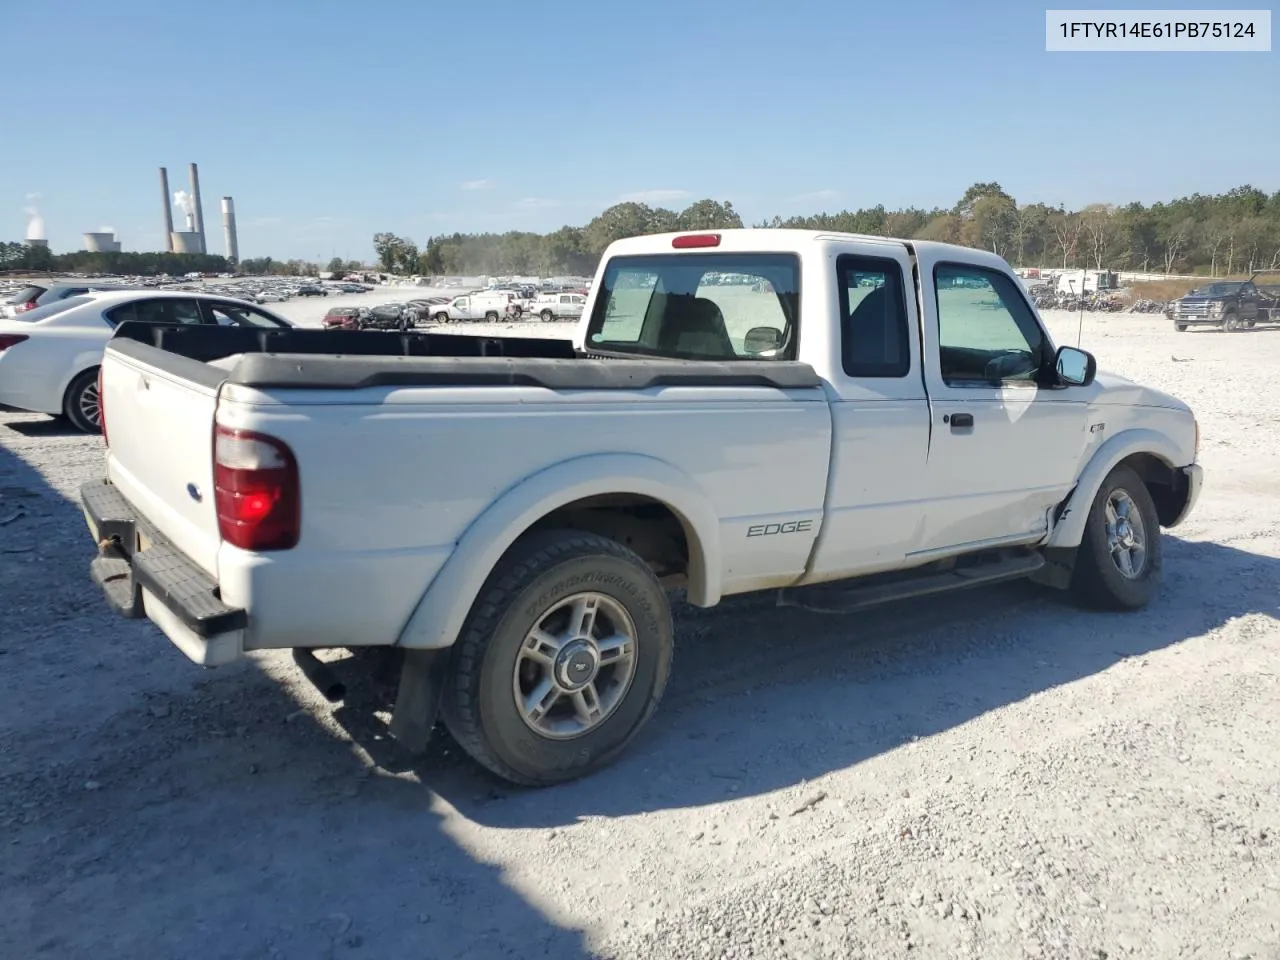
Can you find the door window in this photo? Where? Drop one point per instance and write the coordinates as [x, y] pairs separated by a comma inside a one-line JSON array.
[[157, 310], [987, 334], [874, 333], [237, 315]]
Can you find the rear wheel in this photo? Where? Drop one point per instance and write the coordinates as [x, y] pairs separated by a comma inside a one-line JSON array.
[[491, 316], [82, 405], [1118, 566], [516, 313], [562, 660]]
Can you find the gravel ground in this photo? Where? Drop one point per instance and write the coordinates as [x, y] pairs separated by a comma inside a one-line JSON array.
[[993, 774]]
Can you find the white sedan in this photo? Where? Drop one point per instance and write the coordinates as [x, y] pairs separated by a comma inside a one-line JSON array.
[[49, 356]]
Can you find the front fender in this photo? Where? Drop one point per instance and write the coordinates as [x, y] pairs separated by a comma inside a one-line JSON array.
[[1069, 530], [437, 619]]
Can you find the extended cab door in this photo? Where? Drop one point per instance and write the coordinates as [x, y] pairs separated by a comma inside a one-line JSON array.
[[1003, 447], [869, 332]]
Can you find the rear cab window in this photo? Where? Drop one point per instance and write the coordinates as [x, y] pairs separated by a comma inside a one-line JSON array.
[[699, 306]]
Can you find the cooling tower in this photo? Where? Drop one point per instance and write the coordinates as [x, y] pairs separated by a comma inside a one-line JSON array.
[[187, 241], [101, 243]]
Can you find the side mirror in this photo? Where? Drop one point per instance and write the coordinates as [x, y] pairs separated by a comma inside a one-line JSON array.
[[761, 340], [1076, 368]]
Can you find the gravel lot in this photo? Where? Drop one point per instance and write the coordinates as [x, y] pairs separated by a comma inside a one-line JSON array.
[[993, 774]]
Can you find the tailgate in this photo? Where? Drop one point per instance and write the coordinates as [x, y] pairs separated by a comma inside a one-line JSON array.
[[159, 424]]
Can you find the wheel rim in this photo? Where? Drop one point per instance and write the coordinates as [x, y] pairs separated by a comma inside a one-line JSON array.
[[90, 404], [575, 666], [1126, 534]]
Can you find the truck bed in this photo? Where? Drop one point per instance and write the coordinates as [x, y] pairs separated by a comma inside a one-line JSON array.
[[352, 360]]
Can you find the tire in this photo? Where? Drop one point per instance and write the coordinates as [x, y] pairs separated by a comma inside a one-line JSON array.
[[442, 318], [516, 313], [491, 317], [1098, 580], [493, 663], [1230, 324], [1180, 327], [547, 316], [81, 405]]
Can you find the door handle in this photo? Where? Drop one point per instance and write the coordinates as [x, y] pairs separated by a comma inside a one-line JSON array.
[[960, 421]]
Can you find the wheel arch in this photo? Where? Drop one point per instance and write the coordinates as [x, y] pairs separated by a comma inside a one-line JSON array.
[[1152, 456], [608, 488]]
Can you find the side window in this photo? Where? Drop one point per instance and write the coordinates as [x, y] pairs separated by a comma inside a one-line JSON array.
[[875, 336], [235, 315], [986, 332], [156, 310], [565, 300]]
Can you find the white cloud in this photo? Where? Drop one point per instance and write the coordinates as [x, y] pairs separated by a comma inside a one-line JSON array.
[[817, 196], [535, 203], [476, 184], [654, 196]]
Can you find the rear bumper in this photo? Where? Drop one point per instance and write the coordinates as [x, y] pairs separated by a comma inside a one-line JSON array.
[[143, 575]]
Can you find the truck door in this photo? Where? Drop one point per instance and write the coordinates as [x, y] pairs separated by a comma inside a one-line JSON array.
[[461, 308], [875, 510], [1003, 451]]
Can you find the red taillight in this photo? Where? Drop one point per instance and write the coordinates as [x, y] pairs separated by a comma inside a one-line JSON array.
[[692, 240], [102, 409], [8, 340], [24, 307], [256, 490]]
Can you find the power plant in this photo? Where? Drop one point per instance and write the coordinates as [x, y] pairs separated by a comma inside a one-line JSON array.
[[192, 239]]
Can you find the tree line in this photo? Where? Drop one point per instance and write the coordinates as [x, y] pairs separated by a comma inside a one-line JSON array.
[[23, 257], [1222, 234]]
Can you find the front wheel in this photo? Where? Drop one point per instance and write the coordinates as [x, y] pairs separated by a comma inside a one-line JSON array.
[[1180, 327], [82, 405], [547, 316], [1118, 566], [563, 658], [442, 318], [1230, 323]]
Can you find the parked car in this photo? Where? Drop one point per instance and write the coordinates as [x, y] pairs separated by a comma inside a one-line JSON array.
[[49, 356], [343, 318], [1229, 304], [37, 295], [311, 290], [869, 442], [389, 316]]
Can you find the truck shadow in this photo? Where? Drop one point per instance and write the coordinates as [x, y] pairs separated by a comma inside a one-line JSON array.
[[765, 698], [150, 809]]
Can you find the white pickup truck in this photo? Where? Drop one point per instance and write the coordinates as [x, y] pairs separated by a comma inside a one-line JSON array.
[[474, 306], [508, 513]]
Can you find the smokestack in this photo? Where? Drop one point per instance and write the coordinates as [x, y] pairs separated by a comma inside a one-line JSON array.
[[168, 210], [229, 229], [195, 193]]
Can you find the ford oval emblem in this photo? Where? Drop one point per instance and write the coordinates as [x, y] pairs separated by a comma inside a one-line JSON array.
[[193, 492]]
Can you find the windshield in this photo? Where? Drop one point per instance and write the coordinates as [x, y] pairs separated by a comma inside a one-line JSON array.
[[704, 306], [47, 310], [1217, 290]]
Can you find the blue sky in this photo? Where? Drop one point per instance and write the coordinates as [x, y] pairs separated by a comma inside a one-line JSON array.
[[330, 121]]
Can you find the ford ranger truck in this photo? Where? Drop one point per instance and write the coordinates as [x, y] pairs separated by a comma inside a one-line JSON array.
[[748, 410]]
